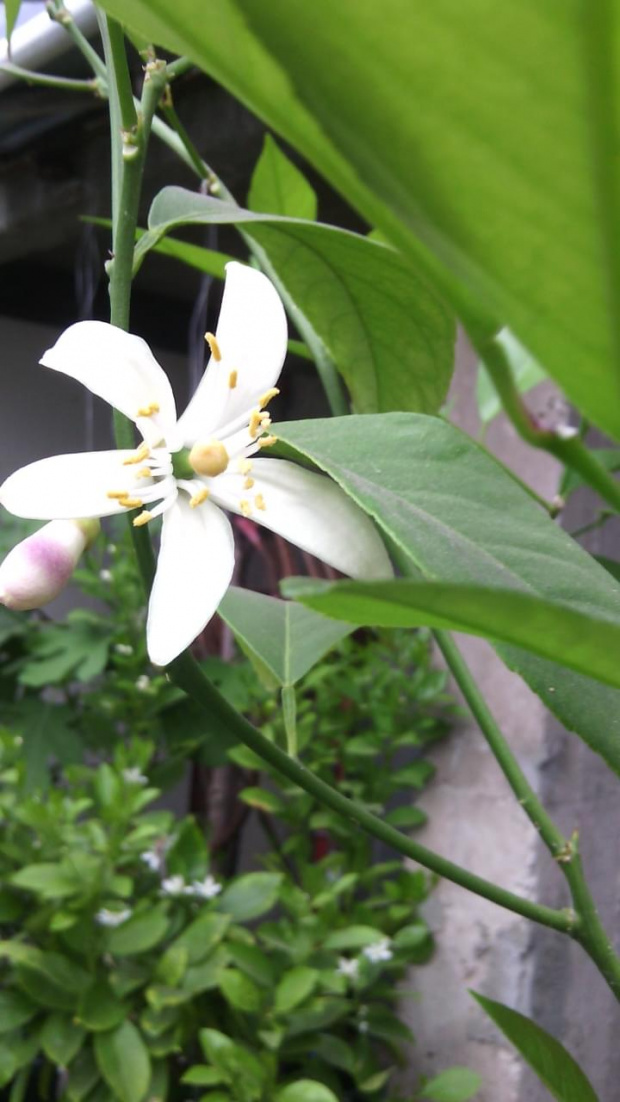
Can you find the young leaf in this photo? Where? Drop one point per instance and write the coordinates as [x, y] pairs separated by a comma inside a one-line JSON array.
[[61, 1039], [123, 1060], [294, 988], [553, 1065], [240, 992], [452, 1085], [305, 1090], [278, 187]]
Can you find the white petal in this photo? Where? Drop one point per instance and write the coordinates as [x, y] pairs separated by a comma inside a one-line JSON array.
[[119, 368], [67, 486], [251, 335], [312, 512], [194, 569]]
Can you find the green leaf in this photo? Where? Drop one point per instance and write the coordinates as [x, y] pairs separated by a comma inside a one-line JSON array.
[[100, 1009], [457, 516], [123, 1060], [305, 1090], [251, 960], [11, 11], [188, 856], [275, 634], [83, 1074], [388, 333], [15, 1010], [53, 880], [61, 1039], [278, 187], [294, 988], [335, 1051], [202, 935], [47, 735], [236, 1063], [203, 1076], [251, 895], [140, 932], [54, 967], [262, 799], [352, 937], [553, 1065], [240, 992], [526, 372], [452, 1085], [587, 644]]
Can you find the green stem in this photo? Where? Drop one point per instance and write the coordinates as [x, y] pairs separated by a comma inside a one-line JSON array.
[[186, 673], [588, 929], [57, 11], [122, 80], [572, 452], [46, 81]]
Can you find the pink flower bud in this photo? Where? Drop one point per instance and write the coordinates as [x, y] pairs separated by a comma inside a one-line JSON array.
[[39, 567]]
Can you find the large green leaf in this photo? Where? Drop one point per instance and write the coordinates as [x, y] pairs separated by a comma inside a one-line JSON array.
[[280, 635], [493, 171], [251, 895], [553, 1065], [457, 516], [123, 1060], [387, 332], [279, 187], [587, 644]]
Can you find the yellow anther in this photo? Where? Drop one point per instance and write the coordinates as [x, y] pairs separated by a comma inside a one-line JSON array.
[[148, 411], [142, 518], [245, 507], [247, 485], [198, 498], [144, 472], [131, 502], [259, 501], [117, 495], [139, 455], [214, 346], [267, 396], [258, 422], [208, 459], [267, 441], [245, 466], [232, 379]]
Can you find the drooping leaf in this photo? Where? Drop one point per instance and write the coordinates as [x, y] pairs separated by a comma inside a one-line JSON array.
[[457, 516], [388, 333], [123, 1060], [278, 186], [554, 1066]]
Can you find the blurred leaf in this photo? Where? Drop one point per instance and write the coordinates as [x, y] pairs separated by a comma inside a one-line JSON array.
[[236, 1062], [48, 735], [61, 1039], [83, 1074], [335, 1051], [15, 1010], [188, 856], [202, 935], [278, 186], [203, 1076], [452, 1085], [305, 1090], [123, 1061], [553, 1065], [100, 1009], [572, 480], [526, 374], [352, 937], [53, 967], [263, 800], [251, 895], [251, 960], [140, 932], [52, 881], [240, 992], [11, 11], [294, 988]]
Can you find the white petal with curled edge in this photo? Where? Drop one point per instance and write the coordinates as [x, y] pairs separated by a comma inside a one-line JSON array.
[[312, 512], [194, 568], [67, 486], [251, 335], [121, 369]]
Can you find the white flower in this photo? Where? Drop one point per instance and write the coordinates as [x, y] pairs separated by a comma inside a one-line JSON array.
[[348, 968], [39, 567], [378, 952], [192, 469], [134, 776], [143, 683], [111, 918], [152, 859], [204, 889], [125, 649], [105, 576], [173, 885]]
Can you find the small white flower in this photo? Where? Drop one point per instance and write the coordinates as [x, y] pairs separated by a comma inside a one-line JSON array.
[[566, 432], [134, 776], [378, 952], [105, 576], [143, 683], [192, 469], [204, 889], [39, 567], [348, 968], [124, 648], [111, 918], [173, 885], [152, 859]]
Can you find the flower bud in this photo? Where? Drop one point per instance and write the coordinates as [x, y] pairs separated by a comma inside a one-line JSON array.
[[39, 567]]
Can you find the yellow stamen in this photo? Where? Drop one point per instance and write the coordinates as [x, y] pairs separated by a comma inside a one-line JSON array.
[[245, 507], [208, 459], [267, 396], [259, 501], [232, 379], [198, 498], [131, 502], [247, 485], [144, 472], [258, 422], [139, 456], [267, 441], [245, 466], [148, 411], [142, 518], [117, 495], [214, 346]]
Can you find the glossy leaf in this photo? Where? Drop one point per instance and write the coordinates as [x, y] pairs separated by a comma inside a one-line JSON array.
[[123, 1060], [455, 515], [276, 635], [387, 332], [553, 1065], [278, 186]]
